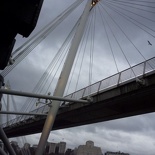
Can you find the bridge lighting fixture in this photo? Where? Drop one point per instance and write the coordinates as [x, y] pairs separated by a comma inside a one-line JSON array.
[[94, 2], [47, 102]]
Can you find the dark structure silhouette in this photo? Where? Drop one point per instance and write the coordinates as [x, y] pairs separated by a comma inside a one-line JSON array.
[[17, 17]]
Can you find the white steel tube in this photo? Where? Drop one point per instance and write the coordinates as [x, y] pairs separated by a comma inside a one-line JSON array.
[[21, 113], [26, 94], [8, 108], [8, 101], [59, 91]]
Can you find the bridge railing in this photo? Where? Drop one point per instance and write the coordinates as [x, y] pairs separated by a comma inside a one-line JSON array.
[[125, 76], [132, 73]]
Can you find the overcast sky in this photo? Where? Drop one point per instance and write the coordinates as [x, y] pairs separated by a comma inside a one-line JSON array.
[[134, 135]]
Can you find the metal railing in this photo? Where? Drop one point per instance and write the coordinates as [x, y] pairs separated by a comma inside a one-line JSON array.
[[125, 76]]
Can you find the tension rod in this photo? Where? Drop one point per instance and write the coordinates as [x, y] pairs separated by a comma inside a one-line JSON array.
[[41, 96]]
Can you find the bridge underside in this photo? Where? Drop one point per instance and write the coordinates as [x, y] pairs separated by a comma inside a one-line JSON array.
[[129, 99]]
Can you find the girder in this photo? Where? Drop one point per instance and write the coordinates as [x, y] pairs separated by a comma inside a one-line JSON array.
[[128, 99]]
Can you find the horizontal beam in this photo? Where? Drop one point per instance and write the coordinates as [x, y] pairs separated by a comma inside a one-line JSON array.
[[40, 96], [21, 113]]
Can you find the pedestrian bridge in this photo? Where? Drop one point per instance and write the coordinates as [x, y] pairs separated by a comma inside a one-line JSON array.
[[128, 93]]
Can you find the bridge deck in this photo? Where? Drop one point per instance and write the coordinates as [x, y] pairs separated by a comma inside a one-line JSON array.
[[126, 100]]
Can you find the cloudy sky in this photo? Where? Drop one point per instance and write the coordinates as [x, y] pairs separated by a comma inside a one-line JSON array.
[[121, 32]]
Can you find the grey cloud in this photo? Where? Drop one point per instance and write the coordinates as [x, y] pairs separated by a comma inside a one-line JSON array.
[[135, 134]]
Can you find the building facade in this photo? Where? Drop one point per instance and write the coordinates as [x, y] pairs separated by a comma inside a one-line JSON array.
[[116, 153], [56, 148], [51, 147], [61, 147], [88, 149]]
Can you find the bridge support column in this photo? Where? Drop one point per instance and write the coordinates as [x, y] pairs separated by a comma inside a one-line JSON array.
[[60, 88], [6, 142], [1, 84]]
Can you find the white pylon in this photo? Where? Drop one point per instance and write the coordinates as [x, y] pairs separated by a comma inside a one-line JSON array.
[[60, 88]]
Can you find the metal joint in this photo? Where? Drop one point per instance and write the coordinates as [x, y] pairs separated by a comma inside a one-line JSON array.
[[140, 81], [90, 99]]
